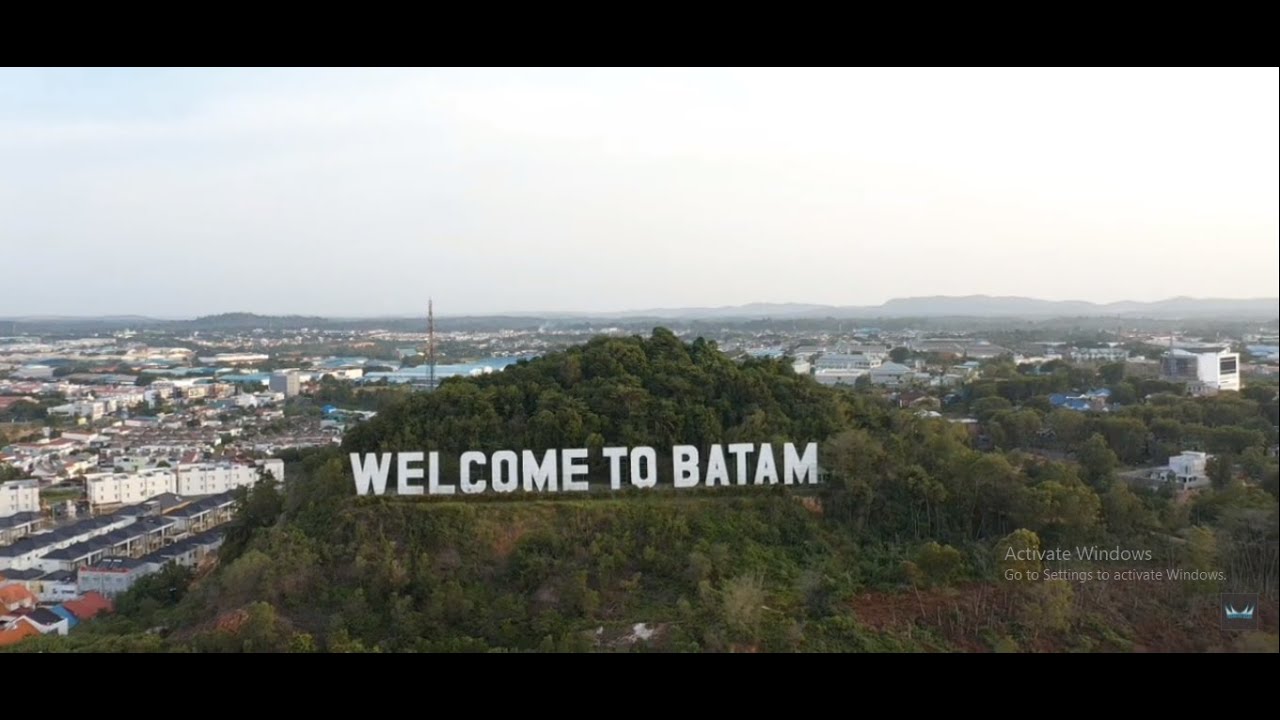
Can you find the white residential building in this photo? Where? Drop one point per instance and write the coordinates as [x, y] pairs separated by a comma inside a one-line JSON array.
[[1205, 371], [1188, 470], [129, 488], [837, 376], [234, 359], [113, 576], [1100, 354], [91, 409], [191, 479], [84, 437], [850, 361], [892, 374], [19, 496]]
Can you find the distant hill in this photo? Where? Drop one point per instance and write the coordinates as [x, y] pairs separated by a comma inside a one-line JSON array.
[[251, 321], [987, 306], [980, 306], [940, 306]]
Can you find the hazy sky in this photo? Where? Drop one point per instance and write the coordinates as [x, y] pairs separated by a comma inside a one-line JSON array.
[[355, 192]]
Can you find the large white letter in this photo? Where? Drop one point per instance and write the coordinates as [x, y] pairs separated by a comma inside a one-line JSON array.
[[505, 479], [407, 473], [649, 477], [539, 477], [766, 468], [572, 469], [740, 452], [468, 487], [433, 477], [685, 465], [808, 465], [716, 470], [371, 470], [615, 455]]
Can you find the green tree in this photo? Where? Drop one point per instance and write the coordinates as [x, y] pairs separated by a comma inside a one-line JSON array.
[[1046, 607], [1127, 437], [1017, 552], [743, 605], [1111, 373], [899, 354], [986, 408], [1124, 512], [1200, 553], [1097, 462], [1220, 470], [1123, 393], [1068, 426], [939, 564], [257, 507]]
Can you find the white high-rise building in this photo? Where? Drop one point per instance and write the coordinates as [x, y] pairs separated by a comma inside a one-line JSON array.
[[19, 496], [1205, 370]]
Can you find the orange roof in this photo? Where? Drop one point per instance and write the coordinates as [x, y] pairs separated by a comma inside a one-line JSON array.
[[88, 606], [19, 632], [15, 595]]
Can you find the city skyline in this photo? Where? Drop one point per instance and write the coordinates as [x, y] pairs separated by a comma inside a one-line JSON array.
[[356, 193]]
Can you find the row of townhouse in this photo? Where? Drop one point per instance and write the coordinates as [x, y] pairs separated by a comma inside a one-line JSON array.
[[109, 562], [113, 576], [27, 552], [19, 525], [107, 489]]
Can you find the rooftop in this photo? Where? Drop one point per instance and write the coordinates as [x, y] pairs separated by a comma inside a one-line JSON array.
[[88, 606], [114, 565]]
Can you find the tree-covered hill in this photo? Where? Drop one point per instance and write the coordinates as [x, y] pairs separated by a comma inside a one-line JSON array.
[[911, 543], [630, 392]]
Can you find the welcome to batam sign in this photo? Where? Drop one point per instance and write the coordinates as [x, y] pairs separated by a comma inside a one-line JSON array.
[[557, 471]]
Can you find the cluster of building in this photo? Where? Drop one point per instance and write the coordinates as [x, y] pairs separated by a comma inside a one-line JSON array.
[[23, 616], [45, 565], [1092, 400], [848, 364], [110, 489]]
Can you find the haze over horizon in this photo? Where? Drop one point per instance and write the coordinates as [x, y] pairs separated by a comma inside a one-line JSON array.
[[348, 193]]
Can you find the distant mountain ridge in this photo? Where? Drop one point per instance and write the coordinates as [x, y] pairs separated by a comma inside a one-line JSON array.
[[941, 306], [976, 306]]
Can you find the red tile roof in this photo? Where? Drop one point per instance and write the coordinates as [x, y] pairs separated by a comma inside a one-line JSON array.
[[6, 402], [16, 595], [19, 632], [88, 606]]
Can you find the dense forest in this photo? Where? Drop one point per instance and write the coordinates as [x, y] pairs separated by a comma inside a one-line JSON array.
[[905, 546]]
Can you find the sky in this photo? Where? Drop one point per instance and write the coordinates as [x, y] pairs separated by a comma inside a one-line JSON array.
[[357, 192]]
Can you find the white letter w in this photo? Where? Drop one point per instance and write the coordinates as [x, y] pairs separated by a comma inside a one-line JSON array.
[[373, 470]]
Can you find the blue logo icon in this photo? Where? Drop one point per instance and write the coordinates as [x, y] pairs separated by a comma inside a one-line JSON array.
[[1234, 614], [1239, 611]]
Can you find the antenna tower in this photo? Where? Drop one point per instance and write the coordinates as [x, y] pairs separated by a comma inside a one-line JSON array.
[[431, 346]]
